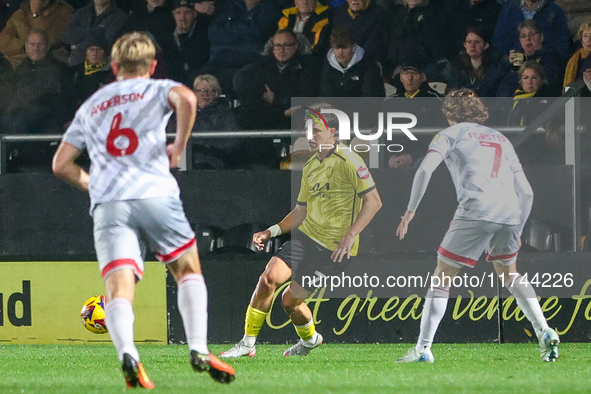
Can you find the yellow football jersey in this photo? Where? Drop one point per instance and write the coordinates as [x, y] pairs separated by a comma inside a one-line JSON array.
[[331, 190]]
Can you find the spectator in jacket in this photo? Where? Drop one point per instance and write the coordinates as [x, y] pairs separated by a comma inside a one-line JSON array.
[[94, 72], [239, 33], [367, 21], [548, 16], [153, 16], [265, 88], [479, 67], [51, 16], [187, 48], [573, 69], [100, 18], [347, 72], [532, 47], [311, 19]]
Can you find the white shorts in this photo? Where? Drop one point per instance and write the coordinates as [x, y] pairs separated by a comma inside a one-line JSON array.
[[465, 241], [123, 229]]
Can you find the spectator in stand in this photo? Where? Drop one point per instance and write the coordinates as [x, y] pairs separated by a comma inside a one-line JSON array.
[[41, 103], [348, 72], [414, 82], [421, 30], [51, 16], [214, 114], [368, 23], [548, 16], [187, 51], [529, 101], [532, 47], [479, 67], [43, 90], [240, 32], [94, 72], [100, 18], [573, 69], [155, 17], [311, 19], [264, 89]]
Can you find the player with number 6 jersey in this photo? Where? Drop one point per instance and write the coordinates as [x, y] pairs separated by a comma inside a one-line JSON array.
[[135, 199], [494, 202], [110, 125]]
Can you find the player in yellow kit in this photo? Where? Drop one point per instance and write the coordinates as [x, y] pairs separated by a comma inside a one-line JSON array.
[[337, 200]]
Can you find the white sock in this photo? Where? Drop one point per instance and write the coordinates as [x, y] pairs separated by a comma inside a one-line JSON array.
[[248, 340], [192, 301], [527, 300], [433, 311], [119, 318]]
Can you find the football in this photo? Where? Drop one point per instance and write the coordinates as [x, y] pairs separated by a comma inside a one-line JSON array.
[[93, 314]]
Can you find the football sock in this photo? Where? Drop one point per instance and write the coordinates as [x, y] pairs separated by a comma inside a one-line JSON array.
[[252, 325], [433, 311], [119, 318], [192, 301], [527, 300], [308, 333]]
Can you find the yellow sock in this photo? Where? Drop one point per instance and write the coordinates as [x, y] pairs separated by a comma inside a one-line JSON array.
[[306, 331], [254, 321]]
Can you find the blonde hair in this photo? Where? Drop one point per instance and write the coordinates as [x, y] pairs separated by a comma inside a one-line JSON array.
[[585, 26], [210, 79], [133, 53], [464, 105]]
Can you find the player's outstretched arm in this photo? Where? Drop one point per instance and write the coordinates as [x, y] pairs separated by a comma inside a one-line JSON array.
[[184, 102], [371, 205], [63, 166], [294, 218], [525, 194], [419, 186]]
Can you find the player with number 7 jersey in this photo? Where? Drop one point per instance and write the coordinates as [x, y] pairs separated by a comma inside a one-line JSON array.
[[494, 202]]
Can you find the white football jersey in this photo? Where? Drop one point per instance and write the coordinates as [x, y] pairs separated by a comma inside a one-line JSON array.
[[122, 126], [482, 163]]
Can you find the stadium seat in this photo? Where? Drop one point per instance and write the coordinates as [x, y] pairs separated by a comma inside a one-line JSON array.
[[543, 237], [439, 87], [390, 90], [239, 239], [208, 237]]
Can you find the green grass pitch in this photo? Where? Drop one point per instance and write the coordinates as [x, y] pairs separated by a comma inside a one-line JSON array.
[[332, 368]]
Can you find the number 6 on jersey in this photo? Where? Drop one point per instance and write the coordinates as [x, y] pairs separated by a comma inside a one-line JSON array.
[[115, 132]]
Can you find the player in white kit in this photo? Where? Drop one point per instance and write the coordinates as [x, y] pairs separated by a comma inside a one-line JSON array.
[[494, 202], [135, 199]]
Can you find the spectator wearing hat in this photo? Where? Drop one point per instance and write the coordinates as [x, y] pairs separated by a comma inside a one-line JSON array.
[[347, 72], [413, 82], [94, 72], [100, 18], [187, 49], [51, 16]]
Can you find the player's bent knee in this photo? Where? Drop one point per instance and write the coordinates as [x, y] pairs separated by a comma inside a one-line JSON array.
[[266, 285]]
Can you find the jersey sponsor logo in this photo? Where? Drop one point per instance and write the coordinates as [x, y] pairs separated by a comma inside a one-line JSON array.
[[363, 172], [318, 188], [115, 101]]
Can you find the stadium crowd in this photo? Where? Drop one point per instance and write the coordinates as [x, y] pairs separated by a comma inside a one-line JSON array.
[[245, 59]]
